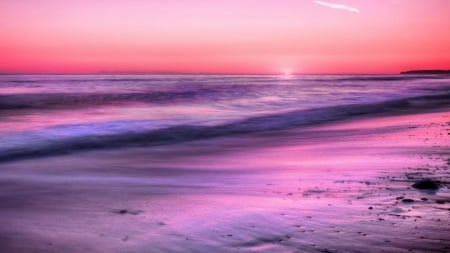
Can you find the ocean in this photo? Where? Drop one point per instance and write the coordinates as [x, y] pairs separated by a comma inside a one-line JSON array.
[[45, 115], [224, 163]]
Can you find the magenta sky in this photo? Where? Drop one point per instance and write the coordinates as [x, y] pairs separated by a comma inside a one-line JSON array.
[[233, 36]]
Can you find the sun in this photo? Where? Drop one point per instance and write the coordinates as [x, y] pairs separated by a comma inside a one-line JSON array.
[[287, 72]]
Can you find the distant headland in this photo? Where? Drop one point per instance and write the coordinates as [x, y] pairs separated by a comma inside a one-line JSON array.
[[427, 72]]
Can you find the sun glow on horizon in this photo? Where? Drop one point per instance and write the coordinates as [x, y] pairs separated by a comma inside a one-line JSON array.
[[287, 72]]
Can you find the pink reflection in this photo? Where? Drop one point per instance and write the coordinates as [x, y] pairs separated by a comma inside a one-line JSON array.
[[278, 192]]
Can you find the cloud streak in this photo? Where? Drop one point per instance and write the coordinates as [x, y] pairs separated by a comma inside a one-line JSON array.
[[338, 6]]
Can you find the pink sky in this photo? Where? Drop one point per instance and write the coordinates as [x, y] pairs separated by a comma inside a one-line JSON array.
[[212, 36]]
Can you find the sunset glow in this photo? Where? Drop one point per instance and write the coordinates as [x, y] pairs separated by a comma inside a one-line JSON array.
[[198, 36]]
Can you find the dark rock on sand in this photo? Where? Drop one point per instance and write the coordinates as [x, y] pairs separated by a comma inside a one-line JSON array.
[[407, 200], [125, 211], [426, 184]]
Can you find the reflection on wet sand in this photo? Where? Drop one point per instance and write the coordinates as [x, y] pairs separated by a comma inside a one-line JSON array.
[[342, 187]]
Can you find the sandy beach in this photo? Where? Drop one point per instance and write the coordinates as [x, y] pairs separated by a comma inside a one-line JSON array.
[[339, 187]]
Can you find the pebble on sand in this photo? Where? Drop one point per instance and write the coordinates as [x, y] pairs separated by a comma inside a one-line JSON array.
[[125, 211], [426, 184]]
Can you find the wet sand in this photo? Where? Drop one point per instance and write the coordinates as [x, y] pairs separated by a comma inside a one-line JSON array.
[[342, 187]]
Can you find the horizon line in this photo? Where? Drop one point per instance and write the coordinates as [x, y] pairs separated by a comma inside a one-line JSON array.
[[195, 73], [214, 73]]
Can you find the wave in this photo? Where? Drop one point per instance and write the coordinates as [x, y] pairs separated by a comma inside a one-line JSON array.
[[68, 100], [254, 125]]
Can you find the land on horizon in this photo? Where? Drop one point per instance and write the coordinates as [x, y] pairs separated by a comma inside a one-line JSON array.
[[427, 71]]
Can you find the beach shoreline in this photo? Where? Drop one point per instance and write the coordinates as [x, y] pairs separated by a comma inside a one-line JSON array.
[[339, 187]]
